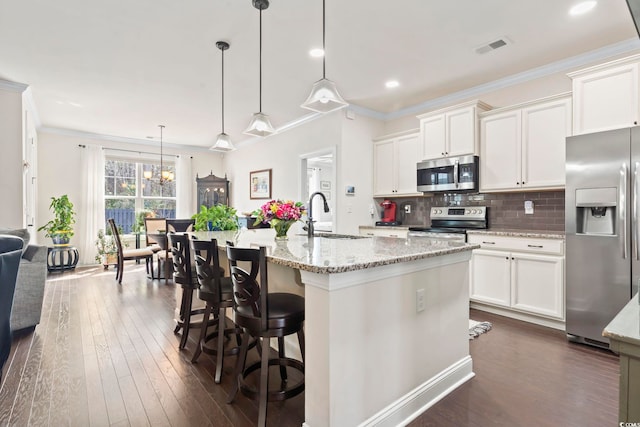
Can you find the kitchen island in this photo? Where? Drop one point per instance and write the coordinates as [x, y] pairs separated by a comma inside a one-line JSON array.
[[386, 321]]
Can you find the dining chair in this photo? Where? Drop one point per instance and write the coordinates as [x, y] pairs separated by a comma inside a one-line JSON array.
[[128, 254], [263, 315], [10, 253], [154, 225], [180, 225]]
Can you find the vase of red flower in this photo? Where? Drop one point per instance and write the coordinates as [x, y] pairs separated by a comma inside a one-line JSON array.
[[280, 215]]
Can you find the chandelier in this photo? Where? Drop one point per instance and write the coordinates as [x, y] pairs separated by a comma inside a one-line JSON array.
[[165, 175]]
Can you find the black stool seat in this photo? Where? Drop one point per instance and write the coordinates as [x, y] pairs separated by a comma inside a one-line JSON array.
[[264, 315], [285, 311]]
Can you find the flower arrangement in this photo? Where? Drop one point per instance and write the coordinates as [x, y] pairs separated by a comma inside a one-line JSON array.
[[280, 214]]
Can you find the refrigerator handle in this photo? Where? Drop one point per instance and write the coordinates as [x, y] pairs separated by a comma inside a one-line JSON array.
[[634, 212], [622, 214]]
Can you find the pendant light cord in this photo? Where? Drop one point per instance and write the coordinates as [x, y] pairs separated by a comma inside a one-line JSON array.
[[260, 60], [324, 51], [222, 90]]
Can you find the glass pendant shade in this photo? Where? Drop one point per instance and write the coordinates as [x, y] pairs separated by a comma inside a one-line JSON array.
[[223, 143], [260, 126], [324, 97], [148, 174]]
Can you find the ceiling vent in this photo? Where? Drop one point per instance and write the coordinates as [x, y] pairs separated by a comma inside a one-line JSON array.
[[496, 44]]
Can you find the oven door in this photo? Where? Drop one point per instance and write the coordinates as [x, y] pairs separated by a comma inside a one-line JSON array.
[[449, 174]]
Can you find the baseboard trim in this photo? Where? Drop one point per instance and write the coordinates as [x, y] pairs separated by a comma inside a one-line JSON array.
[[410, 406], [549, 323]]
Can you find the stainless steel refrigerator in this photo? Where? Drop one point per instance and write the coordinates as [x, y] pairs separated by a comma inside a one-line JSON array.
[[602, 200]]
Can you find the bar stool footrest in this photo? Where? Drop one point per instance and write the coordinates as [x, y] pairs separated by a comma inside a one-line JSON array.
[[274, 395]]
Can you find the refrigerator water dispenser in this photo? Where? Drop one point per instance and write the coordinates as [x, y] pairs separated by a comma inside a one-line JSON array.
[[596, 211]]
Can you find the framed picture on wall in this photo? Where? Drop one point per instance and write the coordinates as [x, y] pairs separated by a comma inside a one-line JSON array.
[[260, 184]]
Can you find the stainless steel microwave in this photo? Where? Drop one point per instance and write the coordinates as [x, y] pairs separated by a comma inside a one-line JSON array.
[[448, 174]]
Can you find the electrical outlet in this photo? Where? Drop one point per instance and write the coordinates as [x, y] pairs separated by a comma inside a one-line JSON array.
[[528, 207], [407, 209], [419, 300]]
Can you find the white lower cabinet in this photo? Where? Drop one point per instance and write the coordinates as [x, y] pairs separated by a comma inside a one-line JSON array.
[[520, 275]]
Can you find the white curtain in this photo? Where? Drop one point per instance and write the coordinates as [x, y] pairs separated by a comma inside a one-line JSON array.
[[184, 187], [91, 212]]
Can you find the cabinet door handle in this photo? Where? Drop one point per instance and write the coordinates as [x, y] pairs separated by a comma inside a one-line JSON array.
[[488, 243], [535, 246], [507, 258]]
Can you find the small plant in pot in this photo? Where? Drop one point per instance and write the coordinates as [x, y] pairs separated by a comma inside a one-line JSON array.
[[106, 250], [60, 227], [217, 217]]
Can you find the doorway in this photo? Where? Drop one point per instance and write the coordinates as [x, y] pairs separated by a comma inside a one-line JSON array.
[[318, 173]]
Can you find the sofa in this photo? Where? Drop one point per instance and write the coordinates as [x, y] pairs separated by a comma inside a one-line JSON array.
[[29, 293]]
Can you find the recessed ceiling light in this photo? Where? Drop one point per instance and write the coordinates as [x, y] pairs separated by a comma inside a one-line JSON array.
[[149, 137], [392, 83], [582, 7], [316, 53]]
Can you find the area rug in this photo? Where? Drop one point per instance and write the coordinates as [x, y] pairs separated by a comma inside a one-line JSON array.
[[477, 328]]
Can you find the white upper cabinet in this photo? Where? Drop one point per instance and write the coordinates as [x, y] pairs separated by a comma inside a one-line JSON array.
[[523, 147], [606, 96], [451, 131], [395, 161]]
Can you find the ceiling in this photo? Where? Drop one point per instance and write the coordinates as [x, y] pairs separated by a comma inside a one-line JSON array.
[[122, 67]]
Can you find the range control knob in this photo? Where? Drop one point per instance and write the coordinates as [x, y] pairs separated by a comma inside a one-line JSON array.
[[467, 211]]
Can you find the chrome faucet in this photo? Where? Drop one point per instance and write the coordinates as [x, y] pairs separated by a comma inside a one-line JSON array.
[[310, 211]]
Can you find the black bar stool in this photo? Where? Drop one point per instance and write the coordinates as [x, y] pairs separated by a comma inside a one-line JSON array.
[[184, 274], [264, 315], [217, 293]]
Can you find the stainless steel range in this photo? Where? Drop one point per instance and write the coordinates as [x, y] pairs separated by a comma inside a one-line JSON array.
[[452, 223]]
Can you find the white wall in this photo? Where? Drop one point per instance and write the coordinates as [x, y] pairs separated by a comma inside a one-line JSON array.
[[11, 137], [281, 153], [355, 168], [59, 171]]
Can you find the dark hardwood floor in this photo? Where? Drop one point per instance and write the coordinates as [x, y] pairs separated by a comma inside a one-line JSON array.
[[105, 354]]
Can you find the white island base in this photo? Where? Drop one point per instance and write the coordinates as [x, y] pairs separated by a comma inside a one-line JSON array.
[[371, 358]]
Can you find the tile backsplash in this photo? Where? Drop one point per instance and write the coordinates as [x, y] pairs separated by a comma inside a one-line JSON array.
[[506, 210]]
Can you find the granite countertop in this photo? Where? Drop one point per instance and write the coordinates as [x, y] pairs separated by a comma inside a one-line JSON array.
[[626, 325], [520, 233], [336, 255]]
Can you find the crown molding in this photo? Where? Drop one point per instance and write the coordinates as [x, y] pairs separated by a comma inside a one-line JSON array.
[[564, 65], [13, 86], [113, 138]]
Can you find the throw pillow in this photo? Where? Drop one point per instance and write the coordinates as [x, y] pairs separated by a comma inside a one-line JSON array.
[[22, 233]]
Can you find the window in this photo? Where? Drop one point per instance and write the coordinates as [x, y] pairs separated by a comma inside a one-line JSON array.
[[127, 191]]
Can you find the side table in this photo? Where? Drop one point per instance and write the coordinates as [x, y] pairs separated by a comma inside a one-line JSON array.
[[61, 258]]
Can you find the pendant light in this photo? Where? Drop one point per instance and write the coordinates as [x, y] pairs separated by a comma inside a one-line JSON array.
[[165, 175], [223, 142], [260, 124], [324, 96]]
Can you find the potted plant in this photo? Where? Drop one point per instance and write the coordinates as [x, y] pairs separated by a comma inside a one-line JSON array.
[[107, 253], [60, 227], [217, 217], [138, 225]]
